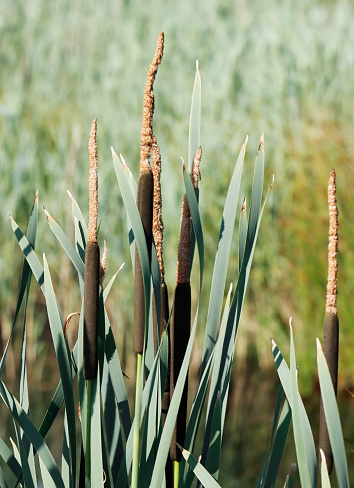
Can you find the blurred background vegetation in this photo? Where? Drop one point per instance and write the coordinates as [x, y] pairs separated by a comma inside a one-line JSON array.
[[282, 68]]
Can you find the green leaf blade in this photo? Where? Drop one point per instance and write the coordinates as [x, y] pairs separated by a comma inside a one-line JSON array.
[[332, 419]]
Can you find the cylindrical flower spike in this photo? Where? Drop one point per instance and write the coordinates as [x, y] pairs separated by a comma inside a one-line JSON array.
[[331, 324], [181, 314], [145, 195], [144, 204], [92, 268], [180, 331]]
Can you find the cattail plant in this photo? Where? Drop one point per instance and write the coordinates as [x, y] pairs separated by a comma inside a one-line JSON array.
[[181, 313], [91, 294], [331, 324], [145, 191], [145, 194], [92, 268]]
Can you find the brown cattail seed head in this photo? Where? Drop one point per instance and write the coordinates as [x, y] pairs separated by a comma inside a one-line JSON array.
[[331, 298], [148, 106], [184, 243], [186, 225], [93, 185]]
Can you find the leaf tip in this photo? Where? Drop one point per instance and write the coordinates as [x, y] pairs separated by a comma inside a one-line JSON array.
[[323, 457], [180, 447], [124, 164], [183, 163], [47, 213]]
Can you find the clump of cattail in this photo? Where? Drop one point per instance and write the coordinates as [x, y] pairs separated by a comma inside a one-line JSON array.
[[181, 314], [145, 195], [331, 324], [92, 268]]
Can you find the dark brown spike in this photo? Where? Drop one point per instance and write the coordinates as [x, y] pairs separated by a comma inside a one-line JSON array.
[[179, 333], [144, 203], [330, 351], [331, 323], [91, 291]]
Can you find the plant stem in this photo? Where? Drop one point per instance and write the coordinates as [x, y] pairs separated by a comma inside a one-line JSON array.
[[88, 429], [135, 469], [176, 474]]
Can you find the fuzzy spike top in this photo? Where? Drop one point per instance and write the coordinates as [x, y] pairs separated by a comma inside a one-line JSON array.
[[331, 298], [148, 107], [157, 224], [93, 185]]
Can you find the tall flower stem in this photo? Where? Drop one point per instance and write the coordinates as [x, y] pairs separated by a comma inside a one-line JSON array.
[[331, 323], [91, 292], [145, 207]]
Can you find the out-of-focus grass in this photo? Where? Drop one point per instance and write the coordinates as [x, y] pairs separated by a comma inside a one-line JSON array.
[[278, 68]]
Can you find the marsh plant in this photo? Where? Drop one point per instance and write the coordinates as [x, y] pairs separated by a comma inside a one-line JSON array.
[[103, 444]]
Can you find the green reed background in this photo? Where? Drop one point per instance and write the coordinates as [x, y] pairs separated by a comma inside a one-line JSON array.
[[282, 68]]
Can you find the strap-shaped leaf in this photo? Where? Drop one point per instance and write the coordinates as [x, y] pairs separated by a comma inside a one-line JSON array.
[[10, 459], [284, 376], [24, 398], [32, 433], [222, 259], [171, 417], [66, 244], [32, 259], [332, 419], [275, 422], [213, 459], [215, 363], [65, 457], [278, 446], [63, 361], [96, 444], [116, 375], [201, 473], [109, 285], [197, 225], [133, 187], [195, 414], [126, 462], [57, 400], [194, 118], [223, 379], [325, 483], [290, 479], [29, 477], [26, 272], [79, 218], [2, 479], [299, 438], [132, 210], [30, 255]]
